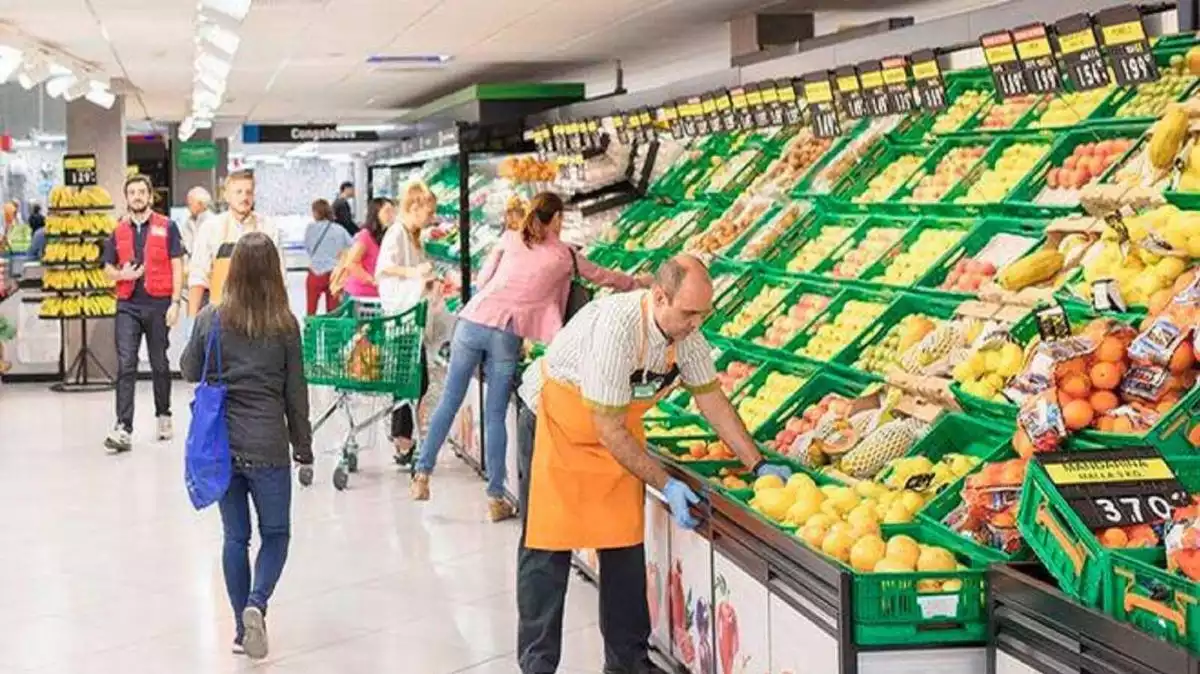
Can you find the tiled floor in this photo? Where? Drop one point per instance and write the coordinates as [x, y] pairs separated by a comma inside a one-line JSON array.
[[105, 567]]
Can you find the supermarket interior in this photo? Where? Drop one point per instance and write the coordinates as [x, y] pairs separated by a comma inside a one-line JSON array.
[[952, 416]]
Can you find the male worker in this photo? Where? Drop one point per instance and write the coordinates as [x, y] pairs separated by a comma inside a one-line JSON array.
[[213, 247], [589, 468], [144, 256], [342, 211]]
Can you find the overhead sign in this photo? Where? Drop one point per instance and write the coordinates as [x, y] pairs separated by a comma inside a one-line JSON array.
[[196, 155], [1002, 59], [927, 74], [304, 133]]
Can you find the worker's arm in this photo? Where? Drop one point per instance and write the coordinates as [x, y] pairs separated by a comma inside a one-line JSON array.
[[626, 449]]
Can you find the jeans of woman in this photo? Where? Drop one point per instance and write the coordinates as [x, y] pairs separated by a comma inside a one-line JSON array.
[[499, 351], [270, 488]]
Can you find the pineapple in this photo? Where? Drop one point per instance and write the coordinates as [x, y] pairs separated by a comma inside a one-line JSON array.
[[886, 443]]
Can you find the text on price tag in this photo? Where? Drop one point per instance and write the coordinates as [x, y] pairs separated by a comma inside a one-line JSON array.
[[1118, 487], [1080, 53]]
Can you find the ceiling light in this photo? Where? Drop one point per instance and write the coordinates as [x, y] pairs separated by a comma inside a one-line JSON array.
[[207, 64], [409, 59], [203, 113], [210, 83], [58, 86], [203, 123], [75, 91], [234, 9], [34, 72], [10, 61], [100, 95], [203, 98], [221, 38]]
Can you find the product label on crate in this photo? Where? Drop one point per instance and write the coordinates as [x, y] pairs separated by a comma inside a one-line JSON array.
[[927, 77], [1041, 69], [79, 170], [938, 606], [1117, 487], [895, 80], [785, 90], [1001, 57], [1052, 322], [1124, 40], [849, 92], [1080, 53], [1106, 296], [818, 94], [870, 78]]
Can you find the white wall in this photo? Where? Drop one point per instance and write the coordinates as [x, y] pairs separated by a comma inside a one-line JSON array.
[[925, 10]]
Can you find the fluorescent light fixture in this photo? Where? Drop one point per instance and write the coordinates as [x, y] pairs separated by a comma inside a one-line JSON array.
[[59, 71], [377, 128], [409, 59], [203, 98], [34, 72], [10, 62], [76, 91], [234, 9], [221, 38], [203, 113], [100, 95], [208, 64], [202, 123], [58, 86], [209, 83]]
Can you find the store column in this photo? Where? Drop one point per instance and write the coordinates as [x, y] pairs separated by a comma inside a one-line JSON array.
[[200, 161], [92, 129]]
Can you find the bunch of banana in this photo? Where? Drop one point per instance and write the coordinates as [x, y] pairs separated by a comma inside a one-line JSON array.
[[73, 307], [76, 279], [93, 196], [82, 224], [71, 252]]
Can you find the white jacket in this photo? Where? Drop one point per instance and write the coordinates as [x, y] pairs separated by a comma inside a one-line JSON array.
[[224, 228]]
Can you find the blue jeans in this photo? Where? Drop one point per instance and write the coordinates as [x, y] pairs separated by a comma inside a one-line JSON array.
[[271, 490], [499, 351]]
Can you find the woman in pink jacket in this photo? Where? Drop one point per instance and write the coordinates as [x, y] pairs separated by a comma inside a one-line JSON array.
[[523, 292]]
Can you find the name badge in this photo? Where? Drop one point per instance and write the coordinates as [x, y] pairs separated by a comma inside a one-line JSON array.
[[158, 231], [647, 384]]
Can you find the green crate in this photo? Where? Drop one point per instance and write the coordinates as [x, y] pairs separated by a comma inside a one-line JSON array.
[[796, 368], [831, 313], [1022, 199], [744, 206], [801, 288], [781, 256], [958, 195], [1124, 96], [975, 241], [742, 292], [759, 240], [670, 229], [905, 304], [900, 201], [1171, 433], [917, 125], [839, 143], [676, 428], [950, 498], [852, 187], [1103, 109], [725, 352], [975, 124], [877, 271], [821, 384], [899, 226]]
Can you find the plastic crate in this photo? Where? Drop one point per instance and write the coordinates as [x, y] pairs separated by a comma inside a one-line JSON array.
[[376, 355], [1124, 95], [879, 159], [817, 387], [900, 225], [792, 243], [832, 311], [746, 289], [1101, 109], [950, 498], [759, 239], [1172, 432], [796, 368], [900, 203], [958, 196], [876, 272], [802, 287], [677, 428], [724, 353], [975, 241], [917, 125], [905, 304]]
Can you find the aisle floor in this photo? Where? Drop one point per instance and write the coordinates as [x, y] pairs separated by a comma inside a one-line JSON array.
[[105, 567]]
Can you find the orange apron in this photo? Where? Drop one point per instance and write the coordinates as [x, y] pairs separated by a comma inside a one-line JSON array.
[[580, 496]]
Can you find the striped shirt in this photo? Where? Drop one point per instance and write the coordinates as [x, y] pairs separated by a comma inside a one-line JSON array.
[[598, 352]]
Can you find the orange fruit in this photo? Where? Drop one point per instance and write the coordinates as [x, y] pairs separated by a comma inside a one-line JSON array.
[[1111, 350], [1078, 414], [1168, 401], [698, 450], [1075, 385], [1113, 538], [1158, 302], [1194, 435], [1106, 375], [1103, 401], [1075, 365], [1105, 424], [1024, 446], [1122, 425], [1063, 398], [1183, 359]]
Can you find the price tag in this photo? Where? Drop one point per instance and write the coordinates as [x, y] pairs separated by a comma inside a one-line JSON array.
[[725, 110], [1052, 322], [708, 106], [1041, 69], [618, 122], [1001, 57], [690, 120], [741, 108], [1116, 487], [1106, 296], [786, 92], [927, 78], [870, 78], [895, 79], [1080, 54], [758, 109], [818, 94], [646, 118], [1124, 39], [849, 92], [595, 131], [770, 97]]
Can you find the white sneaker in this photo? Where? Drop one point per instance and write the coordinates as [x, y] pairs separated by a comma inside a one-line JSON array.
[[165, 430], [255, 639], [118, 440]]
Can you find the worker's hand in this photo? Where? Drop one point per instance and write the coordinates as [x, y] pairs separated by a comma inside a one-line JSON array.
[[173, 314], [645, 280], [680, 497], [764, 468], [132, 272]]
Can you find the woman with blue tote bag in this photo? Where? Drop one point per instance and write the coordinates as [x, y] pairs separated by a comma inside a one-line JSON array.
[[259, 363]]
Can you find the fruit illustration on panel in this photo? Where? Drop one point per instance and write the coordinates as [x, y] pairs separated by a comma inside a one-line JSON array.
[[684, 649], [728, 639], [702, 617]]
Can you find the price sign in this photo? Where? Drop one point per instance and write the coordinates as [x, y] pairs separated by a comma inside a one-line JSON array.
[[1124, 39], [619, 125], [646, 118], [786, 92], [708, 106], [870, 77], [1041, 69], [1116, 487], [689, 109], [1001, 57], [895, 79], [668, 115], [1052, 322], [849, 92], [927, 77], [595, 131], [758, 109], [741, 108], [818, 94], [725, 110], [770, 98], [1080, 53]]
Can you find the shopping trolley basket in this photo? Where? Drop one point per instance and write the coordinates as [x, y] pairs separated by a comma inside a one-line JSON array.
[[360, 352]]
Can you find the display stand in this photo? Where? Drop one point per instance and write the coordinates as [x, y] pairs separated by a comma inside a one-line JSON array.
[[75, 376]]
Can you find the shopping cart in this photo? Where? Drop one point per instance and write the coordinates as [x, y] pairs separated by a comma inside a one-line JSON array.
[[360, 352]]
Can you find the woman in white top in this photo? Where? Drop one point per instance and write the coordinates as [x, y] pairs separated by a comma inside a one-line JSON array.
[[406, 277]]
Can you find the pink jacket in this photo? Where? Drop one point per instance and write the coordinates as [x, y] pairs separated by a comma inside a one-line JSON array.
[[356, 287], [524, 289]]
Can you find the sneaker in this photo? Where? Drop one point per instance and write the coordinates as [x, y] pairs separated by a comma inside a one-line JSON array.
[[500, 509], [118, 440], [238, 648], [402, 451], [419, 487], [255, 641], [166, 430]]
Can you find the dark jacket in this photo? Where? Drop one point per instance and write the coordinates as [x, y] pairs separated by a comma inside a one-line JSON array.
[[343, 216], [267, 395]]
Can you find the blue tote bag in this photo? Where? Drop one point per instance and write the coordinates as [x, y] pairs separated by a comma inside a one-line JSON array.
[[208, 464]]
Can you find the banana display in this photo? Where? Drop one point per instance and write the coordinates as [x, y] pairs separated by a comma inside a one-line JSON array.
[[57, 252], [76, 279], [80, 224], [91, 306], [92, 196]]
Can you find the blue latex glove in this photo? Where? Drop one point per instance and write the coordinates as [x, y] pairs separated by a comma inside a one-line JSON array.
[[679, 497], [782, 472]]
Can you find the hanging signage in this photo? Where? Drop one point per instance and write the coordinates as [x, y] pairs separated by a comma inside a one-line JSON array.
[[1123, 36], [870, 77], [79, 170], [1001, 57], [196, 155], [785, 90], [849, 92], [1116, 487], [895, 78], [758, 108], [818, 94], [304, 133], [1037, 60], [1080, 54], [770, 96], [927, 79]]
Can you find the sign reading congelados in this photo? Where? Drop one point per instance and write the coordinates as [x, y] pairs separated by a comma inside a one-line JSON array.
[[303, 133]]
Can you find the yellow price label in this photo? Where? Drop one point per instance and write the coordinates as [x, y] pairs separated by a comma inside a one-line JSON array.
[[708, 106], [618, 122], [722, 103], [1121, 470], [754, 97], [1077, 42], [818, 92], [1002, 53], [847, 84], [1033, 49], [770, 95], [1123, 33], [894, 76], [785, 93], [739, 100], [871, 80], [925, 70], [79, 163]]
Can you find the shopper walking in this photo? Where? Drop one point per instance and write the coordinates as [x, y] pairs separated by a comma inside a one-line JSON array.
[[216, 236], [36, 219], [611, 363], [144, 256], [267, 410], [343, 210], [360, 281], [523, 294], [325, 242]]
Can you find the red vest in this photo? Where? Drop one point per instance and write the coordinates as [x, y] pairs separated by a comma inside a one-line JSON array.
[[156, 256]]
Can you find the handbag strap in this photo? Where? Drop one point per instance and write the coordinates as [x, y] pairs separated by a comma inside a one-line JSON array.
[[214, 344], [574, 262], [321, 239]]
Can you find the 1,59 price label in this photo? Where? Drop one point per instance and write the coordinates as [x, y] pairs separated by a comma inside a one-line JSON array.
[[870, 77], [818, 93], [849, 92], [1124, 39], [927, 76], [79, 170], [1080, 53], [1041, 68], [895, 79], [1002, 60]]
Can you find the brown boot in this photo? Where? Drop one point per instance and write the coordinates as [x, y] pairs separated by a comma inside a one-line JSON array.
[[419, 488], [500, 509]]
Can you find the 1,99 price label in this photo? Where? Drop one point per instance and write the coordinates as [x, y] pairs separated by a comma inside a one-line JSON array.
[[786, 92], [741, 108], [818, 92], [927, 76], [875, 95], [895, 79], [1081, 55], [1002, 60], [1124, 39], [1041, 69]]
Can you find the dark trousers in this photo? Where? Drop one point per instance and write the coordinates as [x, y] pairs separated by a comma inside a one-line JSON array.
[[132, 323], [542, 578], [270, 488]]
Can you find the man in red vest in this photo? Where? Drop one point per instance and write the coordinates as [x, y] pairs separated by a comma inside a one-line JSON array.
[[144, 256]]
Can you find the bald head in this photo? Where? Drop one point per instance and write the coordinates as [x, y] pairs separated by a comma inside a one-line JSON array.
[[679, 271], [683, 296]]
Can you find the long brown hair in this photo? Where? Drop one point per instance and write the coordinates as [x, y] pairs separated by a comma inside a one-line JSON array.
[[255, 302], [416, 195], [542, 209]]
